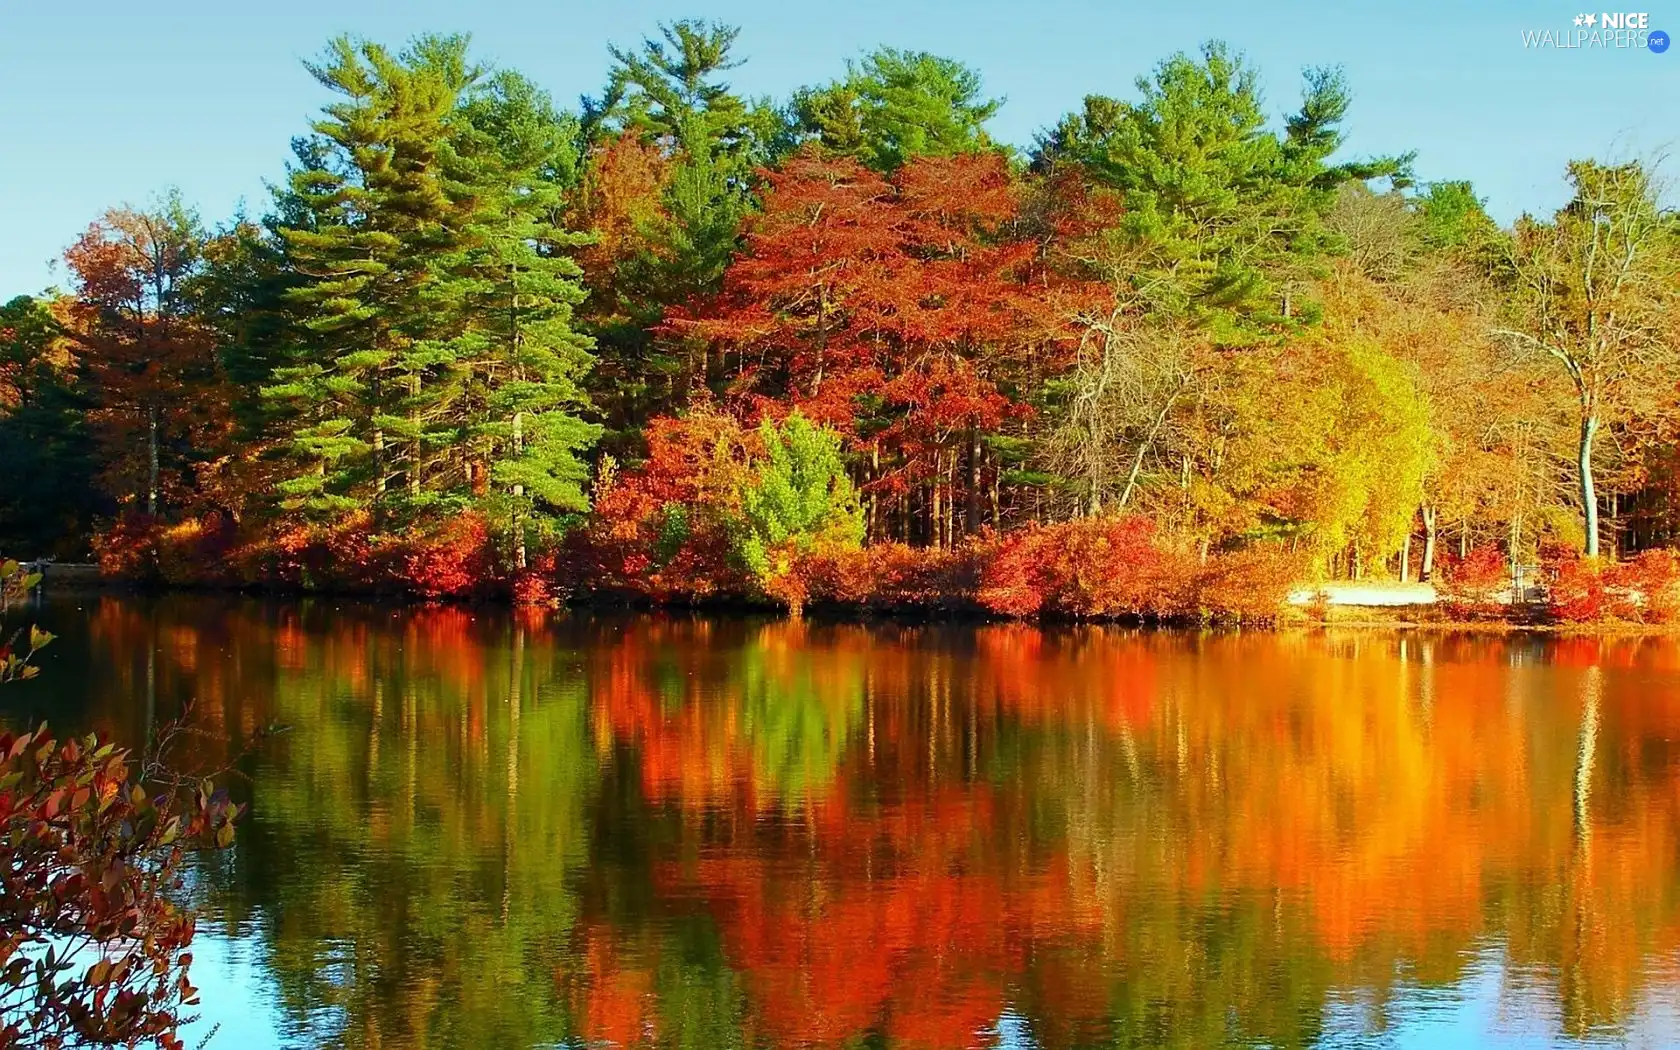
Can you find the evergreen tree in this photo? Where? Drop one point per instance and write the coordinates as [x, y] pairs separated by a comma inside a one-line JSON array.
[[1224, 219], [48, 458], [896, 105], [366, 394], [799, 492], [511, 291]]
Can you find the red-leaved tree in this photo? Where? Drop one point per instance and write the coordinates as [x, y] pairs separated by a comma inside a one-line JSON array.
[[918, 316]]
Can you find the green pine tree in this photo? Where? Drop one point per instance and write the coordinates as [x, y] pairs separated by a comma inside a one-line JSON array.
[[513, 291], [364, 395], [1224, 218], [799, 492], [896, 105]]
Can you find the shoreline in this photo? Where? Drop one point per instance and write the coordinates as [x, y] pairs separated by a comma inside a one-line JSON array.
[[1405, 618]]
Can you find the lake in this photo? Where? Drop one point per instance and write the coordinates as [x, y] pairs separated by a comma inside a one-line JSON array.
[[489, 828]]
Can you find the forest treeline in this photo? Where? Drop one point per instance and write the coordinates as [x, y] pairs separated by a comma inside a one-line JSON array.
[[678, 342]]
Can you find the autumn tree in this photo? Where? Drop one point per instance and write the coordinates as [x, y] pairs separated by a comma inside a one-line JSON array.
[[1415, 280], [152, 364], [1592, 290], [620, 203], [915, 334]]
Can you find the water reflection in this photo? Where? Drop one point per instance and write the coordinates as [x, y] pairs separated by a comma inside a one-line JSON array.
[[498, 830]]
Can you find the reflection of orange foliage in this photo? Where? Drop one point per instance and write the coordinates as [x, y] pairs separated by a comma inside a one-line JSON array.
[[616, 1002], [903, 916], [1008, 818]]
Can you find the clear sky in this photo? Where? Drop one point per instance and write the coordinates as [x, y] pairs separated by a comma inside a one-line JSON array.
[[104, 102]]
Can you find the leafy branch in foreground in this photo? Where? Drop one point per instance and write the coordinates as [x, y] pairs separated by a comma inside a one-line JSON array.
[[93, 949]]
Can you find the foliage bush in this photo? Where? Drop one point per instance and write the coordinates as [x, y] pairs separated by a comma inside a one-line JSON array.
[[716, 510], [660, 531], [454, 561], [93, 950], [1248, 585], [93, 947], [128, 550], [892, 576], [1088, 567], [1107, 567], [1474, 586], [797, 495], [1644, 589], [1649, 585]]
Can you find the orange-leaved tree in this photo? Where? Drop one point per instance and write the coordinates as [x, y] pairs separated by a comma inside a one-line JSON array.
[[158, 388]]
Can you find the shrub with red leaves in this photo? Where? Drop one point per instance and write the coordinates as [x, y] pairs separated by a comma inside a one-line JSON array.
[[1248, 585], [1088, 567], [455, 561], [1644, 589], [129, 549], [1647, 587], [1574, 588], [661, 530], [92, 949], [1474, 586], [893, 575]]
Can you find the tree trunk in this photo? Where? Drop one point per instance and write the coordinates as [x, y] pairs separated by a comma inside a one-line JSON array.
[[971, 509], [933, 506], [1512, 554], [872, 530], [1426, 571], [1613, 527], [1144, 446], [518, 494], [1406, 559], [152, 460], [1589, 496], [951, 502], [414, 416]]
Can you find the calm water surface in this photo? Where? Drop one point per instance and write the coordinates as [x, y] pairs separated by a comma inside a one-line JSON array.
[[496, 830]]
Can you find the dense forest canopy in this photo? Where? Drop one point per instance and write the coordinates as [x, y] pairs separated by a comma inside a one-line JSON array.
[[697, 336]]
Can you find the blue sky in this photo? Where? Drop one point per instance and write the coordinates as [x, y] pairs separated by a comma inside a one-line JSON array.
[[104, 102]]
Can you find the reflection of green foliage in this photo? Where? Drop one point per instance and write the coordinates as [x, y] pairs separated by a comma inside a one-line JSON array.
[[412, 843], [798, 714], [701, 1003], [453, 821]]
